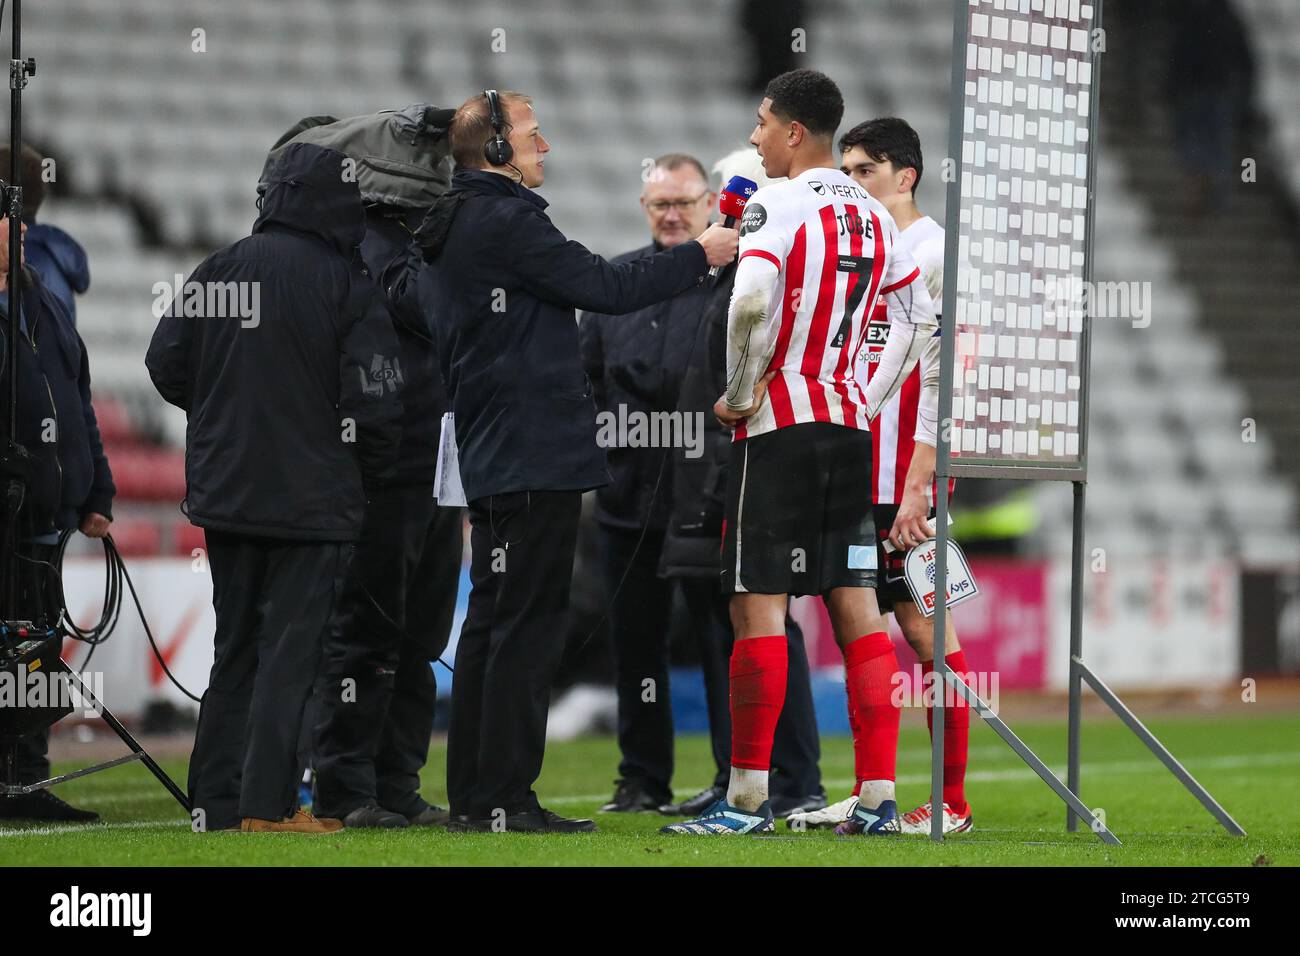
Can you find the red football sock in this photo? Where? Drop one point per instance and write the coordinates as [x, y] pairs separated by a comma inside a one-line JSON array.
[[869, 668], [956, 734], [758, 676]]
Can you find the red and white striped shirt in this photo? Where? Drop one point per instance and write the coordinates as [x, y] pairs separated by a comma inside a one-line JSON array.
[[894, 431], [835, 251]]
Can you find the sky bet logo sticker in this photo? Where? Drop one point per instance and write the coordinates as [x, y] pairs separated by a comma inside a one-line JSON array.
[[753, 219]]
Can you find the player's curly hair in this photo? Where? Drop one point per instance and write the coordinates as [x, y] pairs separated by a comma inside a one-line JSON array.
[[808, 97], [887, 140]]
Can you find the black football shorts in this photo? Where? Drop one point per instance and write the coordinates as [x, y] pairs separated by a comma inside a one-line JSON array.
[[799, 517], [893, 587]]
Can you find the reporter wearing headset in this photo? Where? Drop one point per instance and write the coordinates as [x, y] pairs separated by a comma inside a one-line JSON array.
[[504, 284]]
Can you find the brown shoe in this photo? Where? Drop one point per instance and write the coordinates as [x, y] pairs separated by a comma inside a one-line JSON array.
[[300, 822]]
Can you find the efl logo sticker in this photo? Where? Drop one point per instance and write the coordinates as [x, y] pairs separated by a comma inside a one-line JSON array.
[[753, 219], [918, 568], [862, 557]]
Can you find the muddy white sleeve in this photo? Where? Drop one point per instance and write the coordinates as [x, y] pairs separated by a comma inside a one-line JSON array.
[[751, 337]]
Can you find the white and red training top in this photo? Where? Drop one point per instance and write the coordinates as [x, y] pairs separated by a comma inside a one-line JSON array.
[[898, 427], [835, 252]]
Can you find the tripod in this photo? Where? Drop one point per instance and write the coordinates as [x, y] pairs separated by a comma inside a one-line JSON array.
[[31, 629], [23, 653]]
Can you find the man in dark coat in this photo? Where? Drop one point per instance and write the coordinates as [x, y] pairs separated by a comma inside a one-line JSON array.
[[292, 418], [377, 696], [71, 485], [504, 285], [635, 363]]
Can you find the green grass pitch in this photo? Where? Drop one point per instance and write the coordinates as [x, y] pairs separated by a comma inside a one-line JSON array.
[[1251, 764]]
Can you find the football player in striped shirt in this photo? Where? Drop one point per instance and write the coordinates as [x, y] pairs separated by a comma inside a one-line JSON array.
[[816, 254], [884, 157]]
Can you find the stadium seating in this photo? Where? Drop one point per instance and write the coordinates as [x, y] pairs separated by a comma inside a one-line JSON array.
[[1274, 29], [178, 138]]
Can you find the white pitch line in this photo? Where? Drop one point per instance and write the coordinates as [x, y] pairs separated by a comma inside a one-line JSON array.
[[1224, 762], [95, 827]]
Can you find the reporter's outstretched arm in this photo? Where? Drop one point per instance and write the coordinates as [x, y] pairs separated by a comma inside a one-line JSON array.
[[566, 272]]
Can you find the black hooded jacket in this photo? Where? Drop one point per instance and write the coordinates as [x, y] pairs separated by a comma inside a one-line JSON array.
[[56, 423], [293, 413], [385, 250], [503, 285]]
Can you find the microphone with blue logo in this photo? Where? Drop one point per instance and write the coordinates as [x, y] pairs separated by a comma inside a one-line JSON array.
[[731, 203]]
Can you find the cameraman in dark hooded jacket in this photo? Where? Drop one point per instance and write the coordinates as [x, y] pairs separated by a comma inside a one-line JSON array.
[[292, 416], [504, 285]]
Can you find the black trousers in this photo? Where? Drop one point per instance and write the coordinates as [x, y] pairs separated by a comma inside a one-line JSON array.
[[640, 618], [510, 647], [796, 748], [374, 705], [273, 600]]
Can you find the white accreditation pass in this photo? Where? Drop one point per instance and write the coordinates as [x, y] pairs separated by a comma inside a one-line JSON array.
[[446, 480]]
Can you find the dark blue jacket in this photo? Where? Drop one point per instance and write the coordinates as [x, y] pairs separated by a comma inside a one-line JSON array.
[[386, 252], [56, 423], [61, 262], [290, 418], [503, 287], [637, 362]]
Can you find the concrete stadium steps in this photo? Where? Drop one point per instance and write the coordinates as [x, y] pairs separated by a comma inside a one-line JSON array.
[[1241, 260], [1148, 479]]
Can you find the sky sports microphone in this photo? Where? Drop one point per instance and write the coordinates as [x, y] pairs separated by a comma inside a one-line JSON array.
[[731, 203]]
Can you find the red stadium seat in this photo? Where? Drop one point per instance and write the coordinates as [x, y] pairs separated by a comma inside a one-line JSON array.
[[186, 537], [114, 423], [147, 474], [136, 538]]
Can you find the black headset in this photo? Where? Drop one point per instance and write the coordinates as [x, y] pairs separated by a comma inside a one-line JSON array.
[[497, 150]]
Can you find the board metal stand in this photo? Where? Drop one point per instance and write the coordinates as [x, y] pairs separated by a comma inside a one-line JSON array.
[[1072, 470]]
